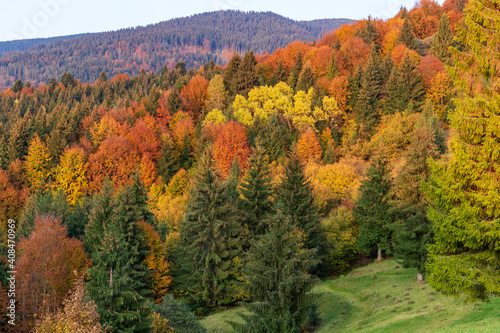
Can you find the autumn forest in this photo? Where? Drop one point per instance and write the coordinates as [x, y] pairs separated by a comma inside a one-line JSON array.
[[144, 202]]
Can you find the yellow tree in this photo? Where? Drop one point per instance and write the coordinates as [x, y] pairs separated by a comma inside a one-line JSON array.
[[71, 174], [37, 163]]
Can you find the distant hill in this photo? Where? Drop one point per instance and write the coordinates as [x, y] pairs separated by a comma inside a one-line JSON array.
[[26, 44], [193, 40]]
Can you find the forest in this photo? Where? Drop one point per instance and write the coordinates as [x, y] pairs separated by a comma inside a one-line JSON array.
[[143, 203], [193, 40]]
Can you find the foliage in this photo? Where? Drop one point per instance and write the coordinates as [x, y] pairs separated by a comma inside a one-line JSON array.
[[179, 316], [308, 147], [231, 142], [70, 175], [38, 163]]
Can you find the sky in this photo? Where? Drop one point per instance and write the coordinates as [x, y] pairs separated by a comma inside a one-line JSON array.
[[47, 18]]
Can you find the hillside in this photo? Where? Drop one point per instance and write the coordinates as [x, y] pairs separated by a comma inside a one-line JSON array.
[[383, 297], [26, 44], [193, 40]]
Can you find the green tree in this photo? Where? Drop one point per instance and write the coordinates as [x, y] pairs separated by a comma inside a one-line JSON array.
[[246, 77], [407, 36], [217, 94], [18, 86], [278, 279], [372, 209], [256, 193], [404, 88], [463, 191], [443, 39], [412, 230], [119, 281], [306, 79], [370, 34], [173, 101], [280, 74], [179, 316], [230, 75], [333, 69], [208, 238], [295, 72]]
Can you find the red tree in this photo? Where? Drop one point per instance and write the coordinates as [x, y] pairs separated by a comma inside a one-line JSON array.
[[231, 142]]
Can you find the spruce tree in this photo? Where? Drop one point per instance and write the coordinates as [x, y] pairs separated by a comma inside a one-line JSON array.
[[208, 238], [173, 101], [246, 77], [280, 74], [366, 113], [372, 209], [100, 215], [412, 230], [119, 280], [256, 193], [278, 279], [295, 72], [407, 36], [404, 88], [443, 39], [295, 193], [463, 189], [169, 162], [370, 34], [306, 79], [230, 75], [333, 69]]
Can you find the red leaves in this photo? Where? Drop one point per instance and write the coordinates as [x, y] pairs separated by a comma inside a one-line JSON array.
[[195, 95], [231, 142]]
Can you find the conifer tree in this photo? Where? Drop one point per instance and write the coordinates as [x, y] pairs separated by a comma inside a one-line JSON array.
[[366, 112], [119, 278], [246, 77], [278, 279], [407, 36], [231, 73], [443, 39], [208, 238], [333, 69], [372, 209], [306, 79], [256, 193], [295, 193], [412, 230], [370, 34], [169, 163], [295, 72], [280, 74], [404, 87], [173, 101], [463, 189]]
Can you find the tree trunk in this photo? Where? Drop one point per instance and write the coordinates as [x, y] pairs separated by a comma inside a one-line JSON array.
[[420, 277], [379, 254]]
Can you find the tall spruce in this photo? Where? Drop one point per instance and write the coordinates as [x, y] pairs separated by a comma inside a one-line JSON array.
[[369, 34], [246, 77], [256, 193], [366, 113], [119, 280], [463, 189], [208, 242], [407, 36], [295, 72], [230, 75], [278, 279], [372, 208], [443, 39], [333, 68], [412, 229], [404, 88], [306, 79], [280, 74]]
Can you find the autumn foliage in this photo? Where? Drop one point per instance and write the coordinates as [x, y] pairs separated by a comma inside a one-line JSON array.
[[231, 142]]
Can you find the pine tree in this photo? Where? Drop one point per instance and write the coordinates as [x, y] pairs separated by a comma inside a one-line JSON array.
[[366, 112], [169, 163], [173, 101], [230, 75], [256, 193], [372, 209], [306, 79], [246, 77], [278, 279], [404, 87], [295, 193], [103, 77], [333, 69], [463, 189], [280, 74], [119, 279], [412, 230], [407, 36], [443, 39], [370, 34], [430, 121], [295, 72], [208, 238]]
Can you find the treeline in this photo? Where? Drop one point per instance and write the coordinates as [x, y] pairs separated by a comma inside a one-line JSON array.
[[26, 44], [185, 191], [193, 40]]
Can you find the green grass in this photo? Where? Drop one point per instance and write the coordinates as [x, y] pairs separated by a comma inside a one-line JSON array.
[[382, 297]]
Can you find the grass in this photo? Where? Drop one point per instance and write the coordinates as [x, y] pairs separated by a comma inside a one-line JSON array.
[[383, 297]]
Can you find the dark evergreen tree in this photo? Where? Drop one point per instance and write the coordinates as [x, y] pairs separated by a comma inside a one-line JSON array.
[[100, 215], [173, 101], [231, 74], [208, 242], [280, 74], [119, 281], [407, 36], [333, 69], [373, 210], [385, 70], [68, 80], [354, 79], [256, 193], [246, 77], [443, 39], [180, 67], [370, 34], [179, 316], [306, 79], [412, 230], [169, 162], [295, 72], [103, 77], [18, 86], [366, 113], [278, 279], [404, 87], [430, 121]]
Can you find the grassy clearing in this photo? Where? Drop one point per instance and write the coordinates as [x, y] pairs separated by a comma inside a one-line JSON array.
[[383, 297]]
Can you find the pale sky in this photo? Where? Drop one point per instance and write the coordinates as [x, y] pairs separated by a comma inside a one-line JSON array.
[[47, 18]]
